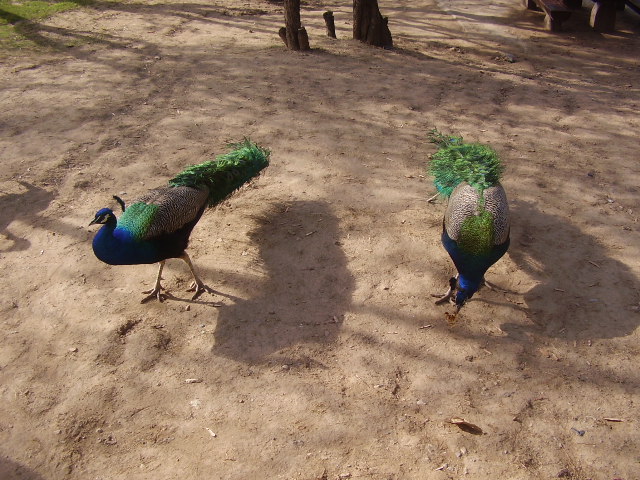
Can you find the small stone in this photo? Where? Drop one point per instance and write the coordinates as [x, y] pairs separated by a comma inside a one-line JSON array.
[[73, 349]]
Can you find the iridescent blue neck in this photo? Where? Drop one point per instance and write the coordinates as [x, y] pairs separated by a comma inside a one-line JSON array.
[[467, 286], [122, 249]]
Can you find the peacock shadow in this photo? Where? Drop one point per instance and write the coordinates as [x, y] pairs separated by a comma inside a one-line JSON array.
[[23, 206], [302, 294], [581, 292]]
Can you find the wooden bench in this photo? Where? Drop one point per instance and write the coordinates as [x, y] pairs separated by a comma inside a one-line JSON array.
[[556, 11]]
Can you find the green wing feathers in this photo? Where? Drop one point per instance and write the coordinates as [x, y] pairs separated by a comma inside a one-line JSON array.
[[456, 162], [226, 173]]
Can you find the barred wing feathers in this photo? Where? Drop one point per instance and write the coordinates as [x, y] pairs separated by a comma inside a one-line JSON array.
[[161, 211]]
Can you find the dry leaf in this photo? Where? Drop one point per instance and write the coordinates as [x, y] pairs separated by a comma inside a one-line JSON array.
[[467, 426]]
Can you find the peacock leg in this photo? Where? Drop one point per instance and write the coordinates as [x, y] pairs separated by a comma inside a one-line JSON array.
[[156, 291], [453, 282], [198, 285]]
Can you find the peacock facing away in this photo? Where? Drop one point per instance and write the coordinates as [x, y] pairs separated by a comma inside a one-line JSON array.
[[475, 229], [157, 226]]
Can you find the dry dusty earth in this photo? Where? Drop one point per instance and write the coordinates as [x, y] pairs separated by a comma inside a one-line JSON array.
[[322, 356]]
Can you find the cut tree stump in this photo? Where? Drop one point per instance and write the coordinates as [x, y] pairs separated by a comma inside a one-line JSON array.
[[331, 24], [303, 39]]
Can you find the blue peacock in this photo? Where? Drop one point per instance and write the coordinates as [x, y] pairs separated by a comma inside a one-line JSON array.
[[157, 226], [476, 223]]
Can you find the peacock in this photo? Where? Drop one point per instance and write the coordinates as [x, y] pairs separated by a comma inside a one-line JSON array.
[[157, 226], [475, 230]]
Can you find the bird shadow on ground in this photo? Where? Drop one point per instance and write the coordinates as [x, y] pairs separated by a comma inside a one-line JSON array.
[[194, 301], [23, 206], [303, 293], [581, 291]]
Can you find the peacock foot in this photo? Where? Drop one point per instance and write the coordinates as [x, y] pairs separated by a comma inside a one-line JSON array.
[[453, 282], [199, 288], [443, 298], [154, 293]]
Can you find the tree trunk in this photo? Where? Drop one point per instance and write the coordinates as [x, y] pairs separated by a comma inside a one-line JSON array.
[[295, 36], [368, 24]]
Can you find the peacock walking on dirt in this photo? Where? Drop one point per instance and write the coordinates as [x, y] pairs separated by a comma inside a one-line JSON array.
[[157, 226], [475, 229]]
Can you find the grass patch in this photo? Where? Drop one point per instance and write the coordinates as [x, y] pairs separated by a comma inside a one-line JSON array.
[[18, 18]]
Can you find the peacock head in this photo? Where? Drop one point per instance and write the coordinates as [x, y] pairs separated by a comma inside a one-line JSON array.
[[466, 288], [462, 295], [103, 216]]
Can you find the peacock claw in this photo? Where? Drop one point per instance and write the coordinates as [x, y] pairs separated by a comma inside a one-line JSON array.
[[453, 282], [199, 289], [442, 298], [154, 293]]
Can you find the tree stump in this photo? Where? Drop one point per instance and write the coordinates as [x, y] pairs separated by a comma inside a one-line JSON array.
[[303, 39], [283, 34], [331, 24], [369, 26]]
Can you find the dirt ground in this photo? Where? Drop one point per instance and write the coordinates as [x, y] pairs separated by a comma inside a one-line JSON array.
[[322, 355]]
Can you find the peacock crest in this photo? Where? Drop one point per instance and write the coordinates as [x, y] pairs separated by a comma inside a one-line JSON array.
[[456, 162]]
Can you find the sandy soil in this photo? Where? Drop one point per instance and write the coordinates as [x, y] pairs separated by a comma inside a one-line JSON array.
[[322, 356]]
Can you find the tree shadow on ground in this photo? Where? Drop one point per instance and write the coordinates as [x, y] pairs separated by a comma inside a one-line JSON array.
[[305, 290], [61, 38], [10, 470]]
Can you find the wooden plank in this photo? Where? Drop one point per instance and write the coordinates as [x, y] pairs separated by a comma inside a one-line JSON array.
[[634, 5], [557, 11]]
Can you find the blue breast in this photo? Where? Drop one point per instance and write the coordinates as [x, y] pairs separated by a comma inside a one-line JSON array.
[[123, 249]]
